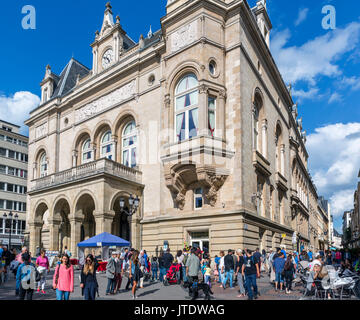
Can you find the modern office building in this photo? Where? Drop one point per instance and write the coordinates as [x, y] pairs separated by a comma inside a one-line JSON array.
[[13, 184]]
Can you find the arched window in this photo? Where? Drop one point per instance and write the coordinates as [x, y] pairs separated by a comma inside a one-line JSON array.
[[186, 108], [256, 128], [86, 152], [43, 166], [107, 146], [259, 126], [129, 145]]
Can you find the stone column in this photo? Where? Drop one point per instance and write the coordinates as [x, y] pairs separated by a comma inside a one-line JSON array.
[[35, 236], [220, 116], [135, 232], [282, 159], [202, 111], [115, 146], [104, 221], [75, 223], [264, 138], [93, 151], [74, 158], [35, 170], [54, 226]]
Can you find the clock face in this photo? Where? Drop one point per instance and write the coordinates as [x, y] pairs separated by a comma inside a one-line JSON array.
[[107, 58]]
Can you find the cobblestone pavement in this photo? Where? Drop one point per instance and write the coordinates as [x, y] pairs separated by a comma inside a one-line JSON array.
[[154, 291]]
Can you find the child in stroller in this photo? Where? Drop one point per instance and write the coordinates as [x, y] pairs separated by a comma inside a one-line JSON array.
[[173, 275]]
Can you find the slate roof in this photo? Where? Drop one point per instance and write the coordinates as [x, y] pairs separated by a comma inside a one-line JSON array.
[[68, 77], [156, 37]]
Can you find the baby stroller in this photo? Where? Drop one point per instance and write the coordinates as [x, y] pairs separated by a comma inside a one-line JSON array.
[[173, 275]]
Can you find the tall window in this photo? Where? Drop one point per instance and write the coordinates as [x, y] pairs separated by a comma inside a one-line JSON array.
[[107, 147], [212, 115], [129, 145], [198, 198], [186, 108], [86, 152], [256, 128], [43, 166]]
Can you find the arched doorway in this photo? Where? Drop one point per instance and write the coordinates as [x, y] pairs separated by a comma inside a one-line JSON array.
[[86, 205], [41, 228], [62, 211], [122, 222]]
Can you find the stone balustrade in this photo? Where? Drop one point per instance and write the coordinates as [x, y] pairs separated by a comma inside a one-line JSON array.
[[102, 166]]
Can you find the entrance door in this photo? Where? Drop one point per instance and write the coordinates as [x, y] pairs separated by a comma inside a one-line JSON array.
[[200, 240]]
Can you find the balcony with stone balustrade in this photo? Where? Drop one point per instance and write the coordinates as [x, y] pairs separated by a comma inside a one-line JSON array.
[[99, 168]]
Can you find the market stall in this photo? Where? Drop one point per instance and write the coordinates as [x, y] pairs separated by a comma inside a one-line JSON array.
[[105, 241]]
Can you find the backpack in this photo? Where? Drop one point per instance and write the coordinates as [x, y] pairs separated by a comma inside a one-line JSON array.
[[29, 276]]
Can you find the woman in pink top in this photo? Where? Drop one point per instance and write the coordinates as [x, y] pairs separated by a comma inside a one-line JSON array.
[[42, 264], [63, 280]]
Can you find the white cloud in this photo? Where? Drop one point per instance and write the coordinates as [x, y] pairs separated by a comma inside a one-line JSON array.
[[317, 57], [342, 201], [335, 97], [335, 162], [310, 94], [352, 82], [301, 16], [16, 108]]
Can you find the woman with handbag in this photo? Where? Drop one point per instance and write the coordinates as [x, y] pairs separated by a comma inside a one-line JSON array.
[[289, 271], [63, 281], [88, 283], [43, 267], [134, 272]]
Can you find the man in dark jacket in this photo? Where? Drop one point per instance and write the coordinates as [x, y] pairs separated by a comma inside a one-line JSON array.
[[168, 259], [229, 267]]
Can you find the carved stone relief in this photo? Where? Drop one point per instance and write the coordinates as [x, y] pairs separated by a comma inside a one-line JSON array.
[[115, 97], [184, 36], [41, 131]]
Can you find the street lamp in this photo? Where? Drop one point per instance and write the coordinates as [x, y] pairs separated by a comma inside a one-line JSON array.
[[11, 223], [133, 203]]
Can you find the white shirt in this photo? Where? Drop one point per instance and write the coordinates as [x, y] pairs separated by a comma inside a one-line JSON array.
[[221, 263]]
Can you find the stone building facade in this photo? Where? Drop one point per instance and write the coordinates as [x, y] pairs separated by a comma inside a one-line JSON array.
[[194, 119]]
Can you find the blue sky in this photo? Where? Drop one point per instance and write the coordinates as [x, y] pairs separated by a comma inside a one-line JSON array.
[[323, 66]]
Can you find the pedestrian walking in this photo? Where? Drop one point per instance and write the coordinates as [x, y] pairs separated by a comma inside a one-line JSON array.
[[111, 274], [257, 256], [228, 269], [43, 267], [142, 261], [154, 269], [6, 257], [168, 259], [118, 271], [238, 273], [127, 267], [135, 272], [88, 281], [192, 271], [221, 268], [26, 278], [207, 275], [251, 271], [279, 264], [289, 271], [63, 280]]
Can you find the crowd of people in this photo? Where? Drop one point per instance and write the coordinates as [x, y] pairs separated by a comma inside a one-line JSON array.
[[190, 265]]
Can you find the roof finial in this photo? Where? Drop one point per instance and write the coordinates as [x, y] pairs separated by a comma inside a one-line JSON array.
[[108, 6], [150, 33], [141, 42], [117, 20]]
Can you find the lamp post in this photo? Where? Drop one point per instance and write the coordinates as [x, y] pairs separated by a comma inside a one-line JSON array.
[[133, 203], [11, 223]]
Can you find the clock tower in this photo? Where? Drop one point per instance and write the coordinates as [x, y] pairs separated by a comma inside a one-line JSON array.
[[109, 42]]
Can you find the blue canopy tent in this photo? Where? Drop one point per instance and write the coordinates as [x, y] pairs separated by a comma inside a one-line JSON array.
[[104, 241]]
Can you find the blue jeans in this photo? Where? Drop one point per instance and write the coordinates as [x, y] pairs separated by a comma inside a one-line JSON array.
[[162, 274], [185, 279], [228, 274], [62, 295], [250, 282], [279, 278], [154, 274], [110, 285], [90, 291]]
